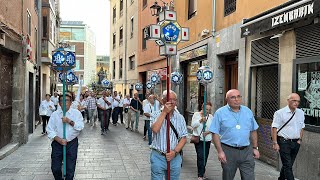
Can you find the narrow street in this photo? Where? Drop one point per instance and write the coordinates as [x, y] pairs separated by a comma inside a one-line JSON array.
[[121, 154]]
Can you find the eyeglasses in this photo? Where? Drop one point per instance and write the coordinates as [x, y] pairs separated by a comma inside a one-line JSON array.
[[235, 97]]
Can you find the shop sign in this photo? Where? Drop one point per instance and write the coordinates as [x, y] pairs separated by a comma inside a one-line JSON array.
[[201, 51], [161, 72], [298, 12], [312, 94]]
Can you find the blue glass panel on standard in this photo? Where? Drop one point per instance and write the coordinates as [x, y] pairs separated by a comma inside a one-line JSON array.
[[58, 58], [207, 75], [199, 75], [71, 59], [171, 32]]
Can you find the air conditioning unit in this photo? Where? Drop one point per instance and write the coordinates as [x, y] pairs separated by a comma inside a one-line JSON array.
[[2, 39], [205, 32]]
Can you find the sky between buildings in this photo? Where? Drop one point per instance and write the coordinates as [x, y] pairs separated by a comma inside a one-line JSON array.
[[94, 13]]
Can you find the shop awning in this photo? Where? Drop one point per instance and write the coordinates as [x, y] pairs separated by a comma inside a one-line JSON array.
[[283, 15]]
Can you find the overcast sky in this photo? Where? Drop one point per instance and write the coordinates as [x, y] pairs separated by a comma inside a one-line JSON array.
[[94, 13]]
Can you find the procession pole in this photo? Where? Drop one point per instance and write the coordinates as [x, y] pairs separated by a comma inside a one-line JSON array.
[[64, 109], [168, 115], [204, 124]]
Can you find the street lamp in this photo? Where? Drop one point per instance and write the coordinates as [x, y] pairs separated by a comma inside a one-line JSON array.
[[155, 9]]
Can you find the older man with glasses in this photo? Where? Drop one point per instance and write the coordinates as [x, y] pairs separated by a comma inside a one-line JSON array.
[[232, 127], [287, 132]]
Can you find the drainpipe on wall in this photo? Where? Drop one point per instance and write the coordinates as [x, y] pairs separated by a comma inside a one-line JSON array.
[[214, 4], [125, 48]]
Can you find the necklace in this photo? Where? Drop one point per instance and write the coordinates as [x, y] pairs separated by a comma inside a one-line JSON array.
[[238, 124]]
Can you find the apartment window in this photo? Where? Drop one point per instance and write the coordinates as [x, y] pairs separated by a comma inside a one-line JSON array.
[[120, 69], [131, 62], [29, 22], [114, 70], [229, 6], [192, 8], [121, 36], [114, 14], [131, 27], [114, 40], [144, 4], [44, 26], [121, 8], [144, 39]]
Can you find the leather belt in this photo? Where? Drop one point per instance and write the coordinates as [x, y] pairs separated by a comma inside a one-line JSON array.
[[280, 138], [160, 152], [239, 148]]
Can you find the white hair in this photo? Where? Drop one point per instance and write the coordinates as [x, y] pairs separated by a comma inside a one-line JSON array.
[[164, 94]]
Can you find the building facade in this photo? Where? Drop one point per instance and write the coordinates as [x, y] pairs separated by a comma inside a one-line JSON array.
[[124, 50], [282, 50], [82, 41], [49, 41], [19, 47]]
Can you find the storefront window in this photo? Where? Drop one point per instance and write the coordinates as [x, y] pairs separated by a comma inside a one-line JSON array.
[[308, 87]]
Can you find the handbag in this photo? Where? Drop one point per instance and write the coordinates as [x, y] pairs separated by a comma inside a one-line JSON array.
[[126, 110], [195, 139]]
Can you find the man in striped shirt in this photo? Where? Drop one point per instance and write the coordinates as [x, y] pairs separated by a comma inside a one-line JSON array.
[[159, 155]]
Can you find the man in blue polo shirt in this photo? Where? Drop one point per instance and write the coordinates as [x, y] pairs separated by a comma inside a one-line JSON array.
[[232, 126]]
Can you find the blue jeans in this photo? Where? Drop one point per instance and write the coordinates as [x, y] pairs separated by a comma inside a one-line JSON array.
[[159, 166], [57, 158]]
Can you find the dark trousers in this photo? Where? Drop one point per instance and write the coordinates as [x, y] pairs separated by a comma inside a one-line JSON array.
[[115, 115], [121, 114], [146, 129], [288, 153], [57, 158], [87, 114], [45, 120], [104, 116], [82, 112], [201, 162], [236, 158]]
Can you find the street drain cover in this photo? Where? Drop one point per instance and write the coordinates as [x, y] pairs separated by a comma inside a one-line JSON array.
[[9, 170]]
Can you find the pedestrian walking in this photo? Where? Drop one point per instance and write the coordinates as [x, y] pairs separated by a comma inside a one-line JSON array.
[[126, 105], [148, 110], [104, 105], [115, 108], [45, 110], [83, 106], [146, 119], [121, 108], [287, 133], [135, 107], [74, 124], [197, 123], [178, 134], [55, 99], [91, 104], [233, 126]]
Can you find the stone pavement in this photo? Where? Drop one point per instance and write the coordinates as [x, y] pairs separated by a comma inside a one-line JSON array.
[[121, 154]]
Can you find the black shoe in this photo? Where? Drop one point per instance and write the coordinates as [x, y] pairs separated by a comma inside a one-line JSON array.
[[127, 127], [43, 133]]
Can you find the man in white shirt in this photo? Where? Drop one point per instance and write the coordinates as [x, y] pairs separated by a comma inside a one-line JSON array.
[[121, 107], [104, 105], [126, 105], [74, 124], [288, 137], [55, 99], [115, 108], [148, 109]]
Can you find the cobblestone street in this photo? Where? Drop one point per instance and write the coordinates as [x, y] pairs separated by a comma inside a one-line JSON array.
[[121, 154]]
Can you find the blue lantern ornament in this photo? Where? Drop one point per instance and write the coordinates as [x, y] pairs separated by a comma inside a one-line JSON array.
[[204, 75], [176, 78], [138, 86], [155, 78], [105, 83], [63, 60], [149, 85]]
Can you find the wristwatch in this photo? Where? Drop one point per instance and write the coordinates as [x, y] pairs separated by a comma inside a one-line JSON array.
[[255, 148], [274, 142]]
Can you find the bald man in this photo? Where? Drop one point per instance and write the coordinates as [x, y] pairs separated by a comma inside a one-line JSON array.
[[232, 127], [287, 133]]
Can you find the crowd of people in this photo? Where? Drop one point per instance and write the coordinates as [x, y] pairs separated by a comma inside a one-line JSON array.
[[232, 129]]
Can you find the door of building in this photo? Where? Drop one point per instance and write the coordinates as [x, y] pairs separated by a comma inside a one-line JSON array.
[[6, 67], [231, 73]]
